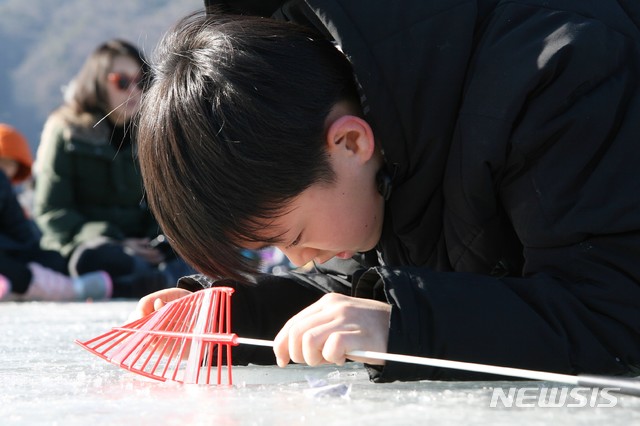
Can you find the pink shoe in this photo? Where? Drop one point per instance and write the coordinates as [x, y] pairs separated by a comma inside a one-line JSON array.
[[50, 285], [5, 288], [47, 284]]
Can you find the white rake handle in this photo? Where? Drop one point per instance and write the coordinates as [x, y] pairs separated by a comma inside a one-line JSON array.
[[629, 386], [625, 385]]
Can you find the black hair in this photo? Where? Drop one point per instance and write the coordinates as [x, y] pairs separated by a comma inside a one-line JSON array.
[[232, 128]]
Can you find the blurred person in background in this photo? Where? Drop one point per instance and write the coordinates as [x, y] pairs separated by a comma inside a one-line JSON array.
[[89, 200], [26, 271]]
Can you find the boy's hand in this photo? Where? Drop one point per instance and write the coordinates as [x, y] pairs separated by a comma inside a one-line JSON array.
[[154, 301], [328, 329]]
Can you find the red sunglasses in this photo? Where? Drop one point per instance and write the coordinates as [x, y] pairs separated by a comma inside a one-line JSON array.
[[123, 82]]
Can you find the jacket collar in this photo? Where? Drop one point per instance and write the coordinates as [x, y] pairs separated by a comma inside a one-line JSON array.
[[86, 127]]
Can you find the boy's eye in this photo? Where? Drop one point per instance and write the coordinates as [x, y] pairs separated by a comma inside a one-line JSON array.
[[294, 243]]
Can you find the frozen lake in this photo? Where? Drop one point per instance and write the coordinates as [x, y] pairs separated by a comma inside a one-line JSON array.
[[46, 379]]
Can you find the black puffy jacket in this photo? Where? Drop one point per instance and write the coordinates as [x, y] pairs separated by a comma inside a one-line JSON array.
[[17, 234], [511, 130]]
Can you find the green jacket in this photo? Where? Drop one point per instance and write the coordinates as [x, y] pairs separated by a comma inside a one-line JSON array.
[[85, 188]]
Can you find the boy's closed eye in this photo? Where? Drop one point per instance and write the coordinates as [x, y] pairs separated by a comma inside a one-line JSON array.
[[294, 242]]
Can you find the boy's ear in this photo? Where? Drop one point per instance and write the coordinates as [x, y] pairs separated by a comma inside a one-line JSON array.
[[352, 135]]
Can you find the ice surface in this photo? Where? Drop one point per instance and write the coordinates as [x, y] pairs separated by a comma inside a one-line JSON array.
[[47, 379]]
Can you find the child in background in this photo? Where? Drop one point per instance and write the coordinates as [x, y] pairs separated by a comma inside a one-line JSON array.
[[26, 271]]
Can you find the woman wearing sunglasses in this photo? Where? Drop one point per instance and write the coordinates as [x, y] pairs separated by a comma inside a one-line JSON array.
[[89, 199]]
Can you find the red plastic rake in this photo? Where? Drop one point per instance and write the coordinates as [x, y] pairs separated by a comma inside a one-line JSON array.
[[179, 342]]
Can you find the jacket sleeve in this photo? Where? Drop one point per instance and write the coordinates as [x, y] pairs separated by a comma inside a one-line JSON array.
[[539, 323], [56, 213], [16, 232], [261, 309]]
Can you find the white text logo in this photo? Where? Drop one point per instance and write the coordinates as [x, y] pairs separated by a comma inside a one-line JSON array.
[[551, 397]]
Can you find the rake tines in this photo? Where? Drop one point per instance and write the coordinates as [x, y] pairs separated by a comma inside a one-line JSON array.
[[178, 342]]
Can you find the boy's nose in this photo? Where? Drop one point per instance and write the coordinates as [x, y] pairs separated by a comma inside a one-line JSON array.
[[300, 256]]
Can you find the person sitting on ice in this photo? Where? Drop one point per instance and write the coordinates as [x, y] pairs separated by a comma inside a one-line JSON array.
[[26, 271]]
